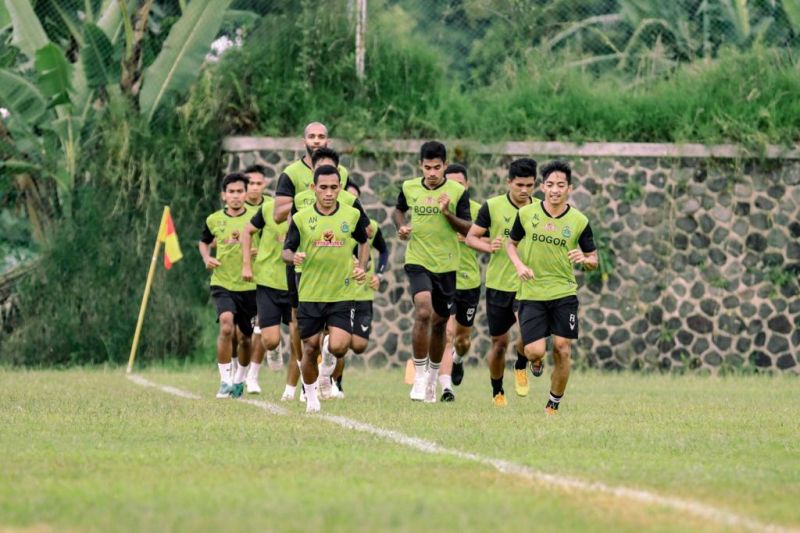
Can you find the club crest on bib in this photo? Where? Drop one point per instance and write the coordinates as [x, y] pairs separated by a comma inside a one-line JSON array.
[[345, 227], [566, 232]]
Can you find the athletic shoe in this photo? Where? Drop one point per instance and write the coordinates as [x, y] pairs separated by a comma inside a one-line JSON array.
[[549, 411], [430, 392], [286, 397], [537, 368], [448, 396], [324, 387], [274, 360], [521, 382], [336, 392], [252, 386], [312, 407], [499, 400], [224, 390], [418, 390], [458, 373], [237, 390]]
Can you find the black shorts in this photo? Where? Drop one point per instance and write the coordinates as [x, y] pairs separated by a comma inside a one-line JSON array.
[[313, 317], [501, 311], [441, 286], [274, 306], [292, 282], [362, 321], [241, 303], [538, 319], [465, 305]]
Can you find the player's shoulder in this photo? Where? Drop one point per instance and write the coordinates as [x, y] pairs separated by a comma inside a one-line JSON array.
[[454, 186], [347, 210], [498, 200], [347, 198], [411, 183], [295, 168], [474, 206], [215, 216], [578, 215], [342, 171], [534, 207]]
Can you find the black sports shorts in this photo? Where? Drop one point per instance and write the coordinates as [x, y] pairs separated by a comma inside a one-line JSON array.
[[274, 306], [501, 311], [540, 319], [362, 321], [313, 317], [241, 303], [441, 286], [465, 305]]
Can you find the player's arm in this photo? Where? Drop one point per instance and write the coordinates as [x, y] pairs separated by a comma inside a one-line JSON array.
[[461, 220], [289, 254], [361, 237], [379, 243], [475, 237], [205, 249], [284, 198], [517, 234], [256, 223], [586, 253], [399, 217]]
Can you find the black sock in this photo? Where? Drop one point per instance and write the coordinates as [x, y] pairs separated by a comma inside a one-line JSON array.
[[339, 382], [554, 400], [522, 362], [497, 386]]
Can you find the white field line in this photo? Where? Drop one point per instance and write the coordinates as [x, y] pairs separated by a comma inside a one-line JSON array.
[[566, 483]]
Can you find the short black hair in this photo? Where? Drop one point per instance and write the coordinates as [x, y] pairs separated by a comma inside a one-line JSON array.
[[354, 185], [233, 177], [325, 153], [433, 150], [456, 168], [557, 166], [325, 170], [524, 167], [255, 169]]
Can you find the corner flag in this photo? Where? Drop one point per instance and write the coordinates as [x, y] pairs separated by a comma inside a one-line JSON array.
[[167, 235]]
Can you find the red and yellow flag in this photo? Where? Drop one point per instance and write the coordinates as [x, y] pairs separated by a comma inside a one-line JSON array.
[[167, 235]]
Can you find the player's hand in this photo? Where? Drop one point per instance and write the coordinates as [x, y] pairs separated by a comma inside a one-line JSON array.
[[247, 273], [524, 273], [359, 275], [497, 244], [576, 256], [461, 238], [212, 263], [444, 202], [374, 283], [299, 257], [404, 232]]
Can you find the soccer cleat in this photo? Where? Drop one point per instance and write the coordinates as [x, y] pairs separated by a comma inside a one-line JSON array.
[[418, 390], [286, 397], [537, 368], [430, 392], [336, 392], [521, 382], [448, 396], [550, 411], [252, 386], [458, 373], [274, 360], [324, 387], [312, 406], [237, 390], [224, 390], [499, 400]]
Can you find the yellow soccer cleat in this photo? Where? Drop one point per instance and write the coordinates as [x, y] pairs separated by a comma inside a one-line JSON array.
[[499, 400], [549, 411], [521, 382]]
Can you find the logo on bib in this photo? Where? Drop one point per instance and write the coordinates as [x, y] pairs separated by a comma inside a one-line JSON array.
[[345, 227], [566, 232]]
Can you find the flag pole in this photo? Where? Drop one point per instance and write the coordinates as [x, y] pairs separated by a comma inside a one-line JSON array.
[[146, 295]]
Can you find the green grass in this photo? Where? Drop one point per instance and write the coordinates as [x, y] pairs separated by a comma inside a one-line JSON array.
[[87, 449]]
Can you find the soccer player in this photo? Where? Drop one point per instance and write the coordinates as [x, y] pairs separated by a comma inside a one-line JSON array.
[[555, 238], [364, 294], [495, 218], [468, 293], [321, 239], [439, 212], [269, 274], [235, 298]]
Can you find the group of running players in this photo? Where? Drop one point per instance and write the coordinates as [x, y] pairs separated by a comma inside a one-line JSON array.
[[304, 258]]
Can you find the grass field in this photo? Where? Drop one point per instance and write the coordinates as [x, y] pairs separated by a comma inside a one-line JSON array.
[[90, 450]]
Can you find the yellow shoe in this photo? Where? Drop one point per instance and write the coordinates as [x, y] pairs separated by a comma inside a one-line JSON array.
[[499, 400], [549, 411], [521, 382]]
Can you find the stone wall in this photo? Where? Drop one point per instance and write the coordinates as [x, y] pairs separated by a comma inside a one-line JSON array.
[[702, 252]]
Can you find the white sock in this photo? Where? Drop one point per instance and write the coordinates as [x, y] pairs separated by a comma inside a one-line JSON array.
[[456, 358], [241, 374], [311, 391], [254, 369], [419, 367], [289, 390], [445, 381], [225, 372], [433, 371]]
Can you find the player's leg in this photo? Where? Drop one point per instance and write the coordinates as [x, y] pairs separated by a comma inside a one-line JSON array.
[[466, 305], [271, 311], [359, 342], [257, 351], [310, 323], [420, 287], [442, 300], [500, 311], [295, 347], [226, 308], [246, 310], [446, 370], [564, 325]]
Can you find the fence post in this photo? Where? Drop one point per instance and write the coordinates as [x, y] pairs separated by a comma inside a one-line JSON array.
[[361, 32]]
